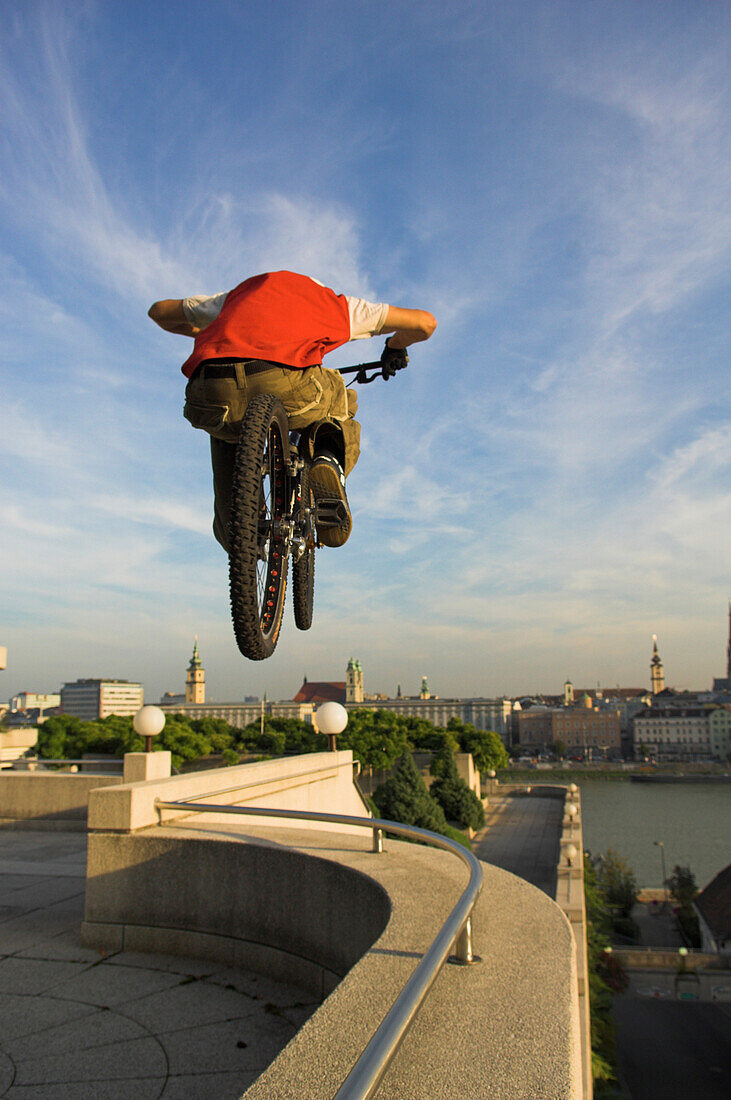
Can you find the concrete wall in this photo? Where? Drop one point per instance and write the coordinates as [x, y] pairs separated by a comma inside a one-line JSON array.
[[321, 910], [318, 781], [297, 918], [48, 797], [571, 901], [13, 743]]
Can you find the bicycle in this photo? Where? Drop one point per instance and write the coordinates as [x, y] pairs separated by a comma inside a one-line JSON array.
[[273, 518]]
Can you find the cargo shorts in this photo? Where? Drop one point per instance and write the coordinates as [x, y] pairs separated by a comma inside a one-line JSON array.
[[314, 398]]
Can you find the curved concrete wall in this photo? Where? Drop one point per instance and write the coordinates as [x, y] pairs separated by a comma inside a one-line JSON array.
[[321, 910], [281, 912]]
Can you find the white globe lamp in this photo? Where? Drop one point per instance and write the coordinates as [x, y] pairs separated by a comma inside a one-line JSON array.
[[148, 722], [331, 719]]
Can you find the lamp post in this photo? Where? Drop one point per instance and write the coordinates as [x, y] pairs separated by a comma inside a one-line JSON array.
[[331, 719], [659, 844], [149, 722]]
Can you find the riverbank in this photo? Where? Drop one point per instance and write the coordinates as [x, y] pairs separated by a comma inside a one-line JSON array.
[[636, 778], [631, 771]]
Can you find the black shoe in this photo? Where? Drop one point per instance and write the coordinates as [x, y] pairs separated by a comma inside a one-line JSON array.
[[332, 514]]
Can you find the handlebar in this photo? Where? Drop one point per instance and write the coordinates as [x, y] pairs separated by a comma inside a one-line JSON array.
[[361, 375]]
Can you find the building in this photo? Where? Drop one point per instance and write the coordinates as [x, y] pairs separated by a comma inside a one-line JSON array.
[[195, 679], [681, 727], [713, 906], [322, 691], [240, 715], [589, 727], [35, 700], [93, 699], [32, 708], [483, 714]]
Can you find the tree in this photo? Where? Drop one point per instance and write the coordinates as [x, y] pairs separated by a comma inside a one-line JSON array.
[[182, 741], [605, 976], [682, 885], [65, 737], [485, 746], [422, 734], [488, 751], [683, 889], [459, 803], [558, 748], [405, 798], [617, 881], [378, 738]]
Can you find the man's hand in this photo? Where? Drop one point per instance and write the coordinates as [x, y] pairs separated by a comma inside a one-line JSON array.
[[392, 359]]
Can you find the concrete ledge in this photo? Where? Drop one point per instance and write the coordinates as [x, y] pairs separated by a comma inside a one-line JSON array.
[[327, 913], [49, 796], [318, 781]]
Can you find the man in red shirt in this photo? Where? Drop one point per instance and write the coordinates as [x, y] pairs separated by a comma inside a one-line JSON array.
[[268, 335]]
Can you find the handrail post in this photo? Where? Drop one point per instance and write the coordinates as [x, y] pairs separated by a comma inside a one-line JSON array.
[[463, 955], [378, 840]]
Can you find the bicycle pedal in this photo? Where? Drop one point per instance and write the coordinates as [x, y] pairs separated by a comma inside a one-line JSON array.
[[330, 513]]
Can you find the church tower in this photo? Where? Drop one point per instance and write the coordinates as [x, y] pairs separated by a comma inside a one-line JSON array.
[[657, 675], [354, 682], [728, 650], [568, 694], [195, 680]]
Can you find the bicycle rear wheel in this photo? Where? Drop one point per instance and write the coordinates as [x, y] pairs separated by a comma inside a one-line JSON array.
[[303, 569], [258, 546]]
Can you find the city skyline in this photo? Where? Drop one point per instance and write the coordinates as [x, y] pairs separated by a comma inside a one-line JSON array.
[[655, 659], [546, 486]]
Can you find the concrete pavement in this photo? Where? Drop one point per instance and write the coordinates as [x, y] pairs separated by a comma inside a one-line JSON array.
[[79, 1025], [521, 835]]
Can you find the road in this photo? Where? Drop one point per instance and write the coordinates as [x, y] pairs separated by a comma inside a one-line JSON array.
[[673, 1050]]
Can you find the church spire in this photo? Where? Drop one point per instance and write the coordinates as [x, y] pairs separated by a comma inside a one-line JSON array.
[[195, 680], [195, 660], [657, 674]]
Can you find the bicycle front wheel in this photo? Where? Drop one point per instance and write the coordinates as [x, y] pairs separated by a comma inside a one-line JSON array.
[[258, 546]]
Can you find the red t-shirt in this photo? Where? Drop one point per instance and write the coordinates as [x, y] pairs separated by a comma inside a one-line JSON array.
[[280, 316]]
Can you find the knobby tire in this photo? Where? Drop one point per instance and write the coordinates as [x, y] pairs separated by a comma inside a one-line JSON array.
[[303, 570], [257, 547]]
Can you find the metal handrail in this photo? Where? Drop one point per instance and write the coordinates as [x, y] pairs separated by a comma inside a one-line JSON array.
[[112, 761], [367, 1073]]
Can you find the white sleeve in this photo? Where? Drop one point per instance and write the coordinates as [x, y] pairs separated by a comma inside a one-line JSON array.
[[201, 309], [366, 318]]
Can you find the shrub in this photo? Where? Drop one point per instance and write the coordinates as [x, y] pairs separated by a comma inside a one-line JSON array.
[[405, 798], [459, 803], [460, 837]]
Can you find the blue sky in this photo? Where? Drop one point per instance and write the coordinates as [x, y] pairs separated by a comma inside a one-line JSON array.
[[547, 485]]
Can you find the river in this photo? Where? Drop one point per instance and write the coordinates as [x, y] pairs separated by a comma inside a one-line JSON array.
[[693, 820]]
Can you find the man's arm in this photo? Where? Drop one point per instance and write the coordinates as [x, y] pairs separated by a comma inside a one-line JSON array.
[[169, 314], [408, 326]]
